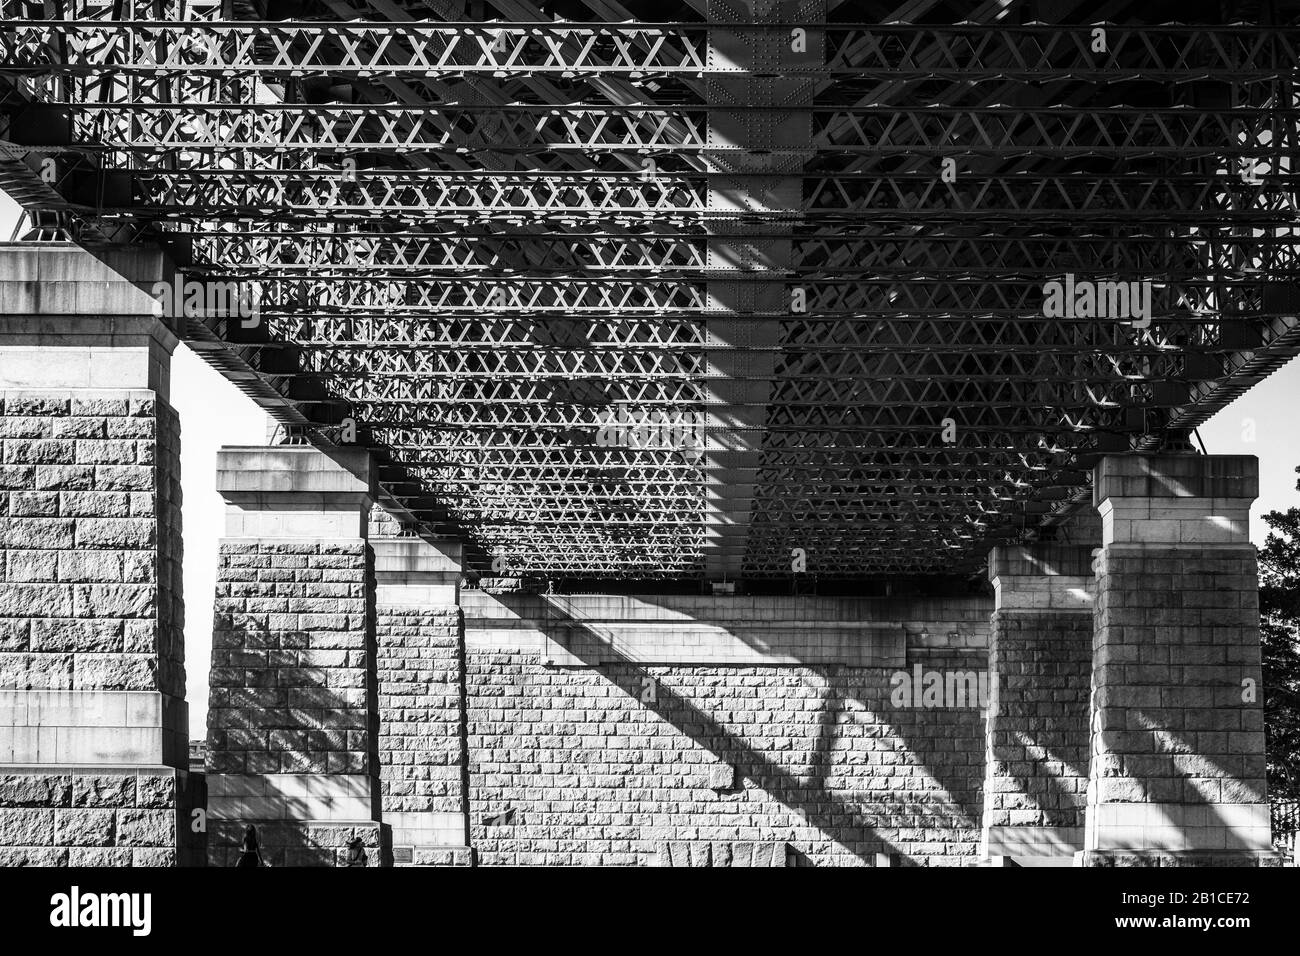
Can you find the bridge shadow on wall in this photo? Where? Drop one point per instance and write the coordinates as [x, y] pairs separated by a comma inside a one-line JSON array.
[[278, 734], [1203, 788], [862, 783]]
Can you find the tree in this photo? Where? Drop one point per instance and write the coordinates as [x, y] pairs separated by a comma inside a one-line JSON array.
[[1279, 609]]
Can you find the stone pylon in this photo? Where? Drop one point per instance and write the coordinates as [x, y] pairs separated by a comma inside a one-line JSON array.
[[93, 726], [291, 715], [1177, 726]]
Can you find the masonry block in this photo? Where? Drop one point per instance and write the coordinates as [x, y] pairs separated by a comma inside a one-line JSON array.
[[606, 761], [420, 670], [1177, 748], [92, 679], [1040, 656], [292, 716]]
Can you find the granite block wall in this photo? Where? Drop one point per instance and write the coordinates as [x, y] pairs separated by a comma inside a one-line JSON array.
[[90, 531], [291, 659], [1038, 719], [419, 659], [1177, 743], [624, 764], [92, 678], [98, 817], [291, 714], [1177, 734]]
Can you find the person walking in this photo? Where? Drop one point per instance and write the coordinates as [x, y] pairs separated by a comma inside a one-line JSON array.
[[250, 853]]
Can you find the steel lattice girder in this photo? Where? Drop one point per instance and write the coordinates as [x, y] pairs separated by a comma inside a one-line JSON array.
[[511, 233], [411, 304], [421, 49], [1010, 260], [194, 131], [413, 196]]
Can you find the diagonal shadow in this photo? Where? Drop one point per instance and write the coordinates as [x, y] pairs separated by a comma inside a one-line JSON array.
[[843, 821]]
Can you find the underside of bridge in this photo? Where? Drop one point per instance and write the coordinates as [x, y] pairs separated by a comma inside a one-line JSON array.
[[657, 383], [711, 290]]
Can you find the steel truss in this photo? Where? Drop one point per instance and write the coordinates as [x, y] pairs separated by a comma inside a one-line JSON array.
[[193, 134], [887, 52], [549, 266], [417, 196]]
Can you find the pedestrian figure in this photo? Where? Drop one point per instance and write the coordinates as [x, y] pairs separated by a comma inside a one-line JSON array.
[[250, 854], [356, 853]]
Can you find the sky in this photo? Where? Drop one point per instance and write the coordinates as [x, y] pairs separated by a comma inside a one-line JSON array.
[[1264, 422], [213, 413]]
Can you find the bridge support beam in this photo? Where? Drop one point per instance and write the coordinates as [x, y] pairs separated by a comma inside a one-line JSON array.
[[1177, 741], [754, 170], [93, 726], [1040, 654], [292, 745], [421, 684]]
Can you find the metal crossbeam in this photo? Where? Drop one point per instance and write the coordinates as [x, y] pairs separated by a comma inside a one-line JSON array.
[[414, 196], [421, 49], [194, 131]]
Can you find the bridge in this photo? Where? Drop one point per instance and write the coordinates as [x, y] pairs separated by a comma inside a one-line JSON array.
[[648, 344]]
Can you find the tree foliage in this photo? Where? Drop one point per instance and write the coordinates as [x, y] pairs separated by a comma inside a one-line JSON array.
[[1279, 608]]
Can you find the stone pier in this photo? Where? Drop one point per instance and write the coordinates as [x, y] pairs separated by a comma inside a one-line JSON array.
[[1040, 656], [93, 726], [292, 716], [421, 678], [1177, 741]]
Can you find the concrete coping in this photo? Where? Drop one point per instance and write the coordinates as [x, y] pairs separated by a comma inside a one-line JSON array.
[[1040, 560], [245, 472], [1176, 476], [62, 280], [413, 558]]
